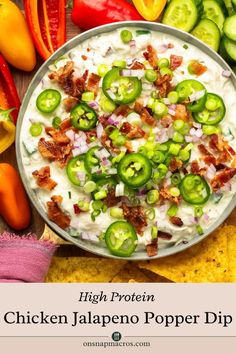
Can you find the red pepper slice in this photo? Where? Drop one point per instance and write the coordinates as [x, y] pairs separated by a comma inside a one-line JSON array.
[[8, 94], [47, 23], [88, 14]]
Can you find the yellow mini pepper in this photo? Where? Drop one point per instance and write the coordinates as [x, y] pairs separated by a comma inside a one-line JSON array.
[[7, 130], [150, 9]]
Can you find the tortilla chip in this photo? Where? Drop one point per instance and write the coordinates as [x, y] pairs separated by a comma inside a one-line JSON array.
[[205, 262], [83, 270], [131, 271], [48, 234], [230, 230]]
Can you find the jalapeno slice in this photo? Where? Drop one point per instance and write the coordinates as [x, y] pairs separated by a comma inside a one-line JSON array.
[[83, 117], [93, 165], [134, 170], [76, 171], [194, 189], [188, 88], [213, 112], [48, 100], [121, 239], [120, 89]]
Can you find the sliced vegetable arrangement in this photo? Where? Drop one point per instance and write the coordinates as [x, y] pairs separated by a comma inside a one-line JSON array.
[[133, 146]]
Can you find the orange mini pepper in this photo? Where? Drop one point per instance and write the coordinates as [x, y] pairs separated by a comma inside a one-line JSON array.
[[150, 9], [14, 205]]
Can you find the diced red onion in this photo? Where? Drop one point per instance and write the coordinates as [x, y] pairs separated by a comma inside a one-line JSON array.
[[188, 138], [162, 136], [163, 208], [146, 86], [70, 134], [76, 152], [132, 43], [120, 190], [171, 112], [197, 95], [202, 164], [93, 104], [193, 220], [132, 73], [99, 130], [199, 133], [129, 61], [80, 137], [162, 48], [206, 217], [197, 125], [81, 176], [226, 73], [227, 187], [211, 171], [170, 131], [166, 101], [113, 120]]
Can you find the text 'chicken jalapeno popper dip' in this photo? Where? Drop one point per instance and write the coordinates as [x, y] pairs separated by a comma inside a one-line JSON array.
[[129, 141]]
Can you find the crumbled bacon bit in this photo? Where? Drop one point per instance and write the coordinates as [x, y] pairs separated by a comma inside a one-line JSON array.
[[64, 77], [197, 68], [54, 151], [56, 214], [165, 195], [84, 57], [175, 164], [166, 121], [170, 45], [216, 143], [137, 66], [104, 120], [136, 216], [111, 199], [122, 110], [147, 118], [65, 124], [43, 179], [175, 61], [151, 56], [195, 168], [181, 112], [90, 135], [93, 83], [131, 131], [77, 209], [164, 235], [222, 177], [138, 107], [175, 220], [69, 103], [163, 84], [152, 248], [57, 135]]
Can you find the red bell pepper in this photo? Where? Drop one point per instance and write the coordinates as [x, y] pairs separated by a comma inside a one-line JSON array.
[[47, 23], [88, 14], [8, 94]]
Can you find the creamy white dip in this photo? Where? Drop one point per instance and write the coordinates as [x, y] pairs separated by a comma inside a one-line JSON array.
[[107, 48]]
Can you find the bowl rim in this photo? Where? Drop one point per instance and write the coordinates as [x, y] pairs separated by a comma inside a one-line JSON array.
[[72, 43]]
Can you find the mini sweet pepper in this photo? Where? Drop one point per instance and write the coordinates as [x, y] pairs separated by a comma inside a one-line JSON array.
[[7, 130], [150, 9]]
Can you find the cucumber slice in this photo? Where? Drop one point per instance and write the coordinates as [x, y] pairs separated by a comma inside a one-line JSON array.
[[208, 32], [230, 27], [183, 14], [213, 11], [230, 48]]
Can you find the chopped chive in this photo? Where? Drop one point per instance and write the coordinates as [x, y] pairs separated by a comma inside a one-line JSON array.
[[185, 46], [199, 230], [154, 232], [198, 211], [69, 194]]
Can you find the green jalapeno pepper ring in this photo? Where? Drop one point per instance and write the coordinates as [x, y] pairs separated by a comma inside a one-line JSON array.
[[75, 165], [48, 100], [121, 239], [126, 89], [83, 117], [188, 87], [195, 189], [134, 170], [213, 112]]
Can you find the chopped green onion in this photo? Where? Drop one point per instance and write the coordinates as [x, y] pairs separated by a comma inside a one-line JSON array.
[[97, 205], [154, 94], [174, 149], [69, 194], [142, 32], [102, 69], [176, 179], [116, 213], [184, 155], [36, 129], [210, 129], [173, 97], [163, 63], [151, 102], [89, 187], [94, 214], [185, 46], [87, 96], [119, 141], [126, 36], [166, 71], [160, 109], [150, 214], [198, 211], [56, 122], [188, 147], [154, 232], [174, 191], [177, 137], [104, 208], [101, 237], [199, 230], [185, 129], [162, 169], [117, 158], [158, 157], [84, 206], [178, 124], [119, 64], [150, 75], [152, 196], [100, 195], [172, 211]]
